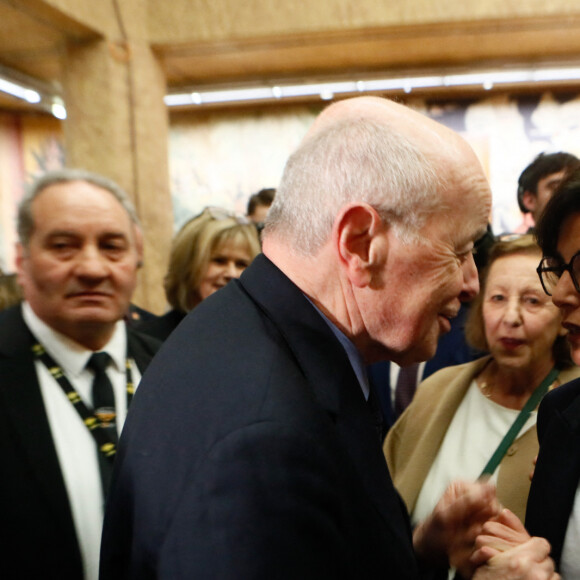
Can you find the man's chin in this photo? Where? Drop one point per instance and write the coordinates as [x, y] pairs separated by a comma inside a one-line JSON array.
[[94, 314], [412, 358], [414, 354], [419, 353]]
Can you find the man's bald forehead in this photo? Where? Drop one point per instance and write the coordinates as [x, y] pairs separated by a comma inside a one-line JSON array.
[[368, 107], [431, 137]]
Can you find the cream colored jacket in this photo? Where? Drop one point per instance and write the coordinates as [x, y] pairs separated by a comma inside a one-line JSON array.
[[414, 440]]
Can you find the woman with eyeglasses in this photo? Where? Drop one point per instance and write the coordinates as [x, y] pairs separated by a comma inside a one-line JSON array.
[[478, 419], [554, 504], [208, 251]]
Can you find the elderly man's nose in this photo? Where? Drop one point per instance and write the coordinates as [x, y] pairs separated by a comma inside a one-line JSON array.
[[470, 280], [90, 262]]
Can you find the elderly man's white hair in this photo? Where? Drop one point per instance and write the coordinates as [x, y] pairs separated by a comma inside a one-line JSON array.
[[358, 158]]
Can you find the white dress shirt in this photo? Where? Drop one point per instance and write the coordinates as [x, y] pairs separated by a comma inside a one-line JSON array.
[[75, 446], [476, 430], [394, 370]]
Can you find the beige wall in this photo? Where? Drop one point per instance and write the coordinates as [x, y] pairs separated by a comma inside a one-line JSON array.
[[187, 20], [98, 16], [221, 19]]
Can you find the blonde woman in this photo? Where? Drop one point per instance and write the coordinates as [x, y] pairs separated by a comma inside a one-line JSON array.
[[208, 251]]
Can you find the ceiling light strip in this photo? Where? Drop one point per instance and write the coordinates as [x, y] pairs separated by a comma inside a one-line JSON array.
[[31, 90], [19, 91], [327, 90], [322, 90]]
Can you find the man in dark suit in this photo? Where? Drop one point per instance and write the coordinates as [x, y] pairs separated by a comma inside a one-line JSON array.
[[253, 448], [554, 490], [77, 259]]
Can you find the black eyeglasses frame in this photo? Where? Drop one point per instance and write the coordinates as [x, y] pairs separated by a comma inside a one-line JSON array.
[[559, 270]]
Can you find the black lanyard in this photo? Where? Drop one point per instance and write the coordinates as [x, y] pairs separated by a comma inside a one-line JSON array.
[[517, 425], [106, 446]]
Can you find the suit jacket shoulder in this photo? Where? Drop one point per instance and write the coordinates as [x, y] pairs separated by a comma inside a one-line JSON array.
[[260, 432]]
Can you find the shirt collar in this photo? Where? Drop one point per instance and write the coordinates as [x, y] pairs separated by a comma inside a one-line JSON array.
[[352, 352], [69, 354]]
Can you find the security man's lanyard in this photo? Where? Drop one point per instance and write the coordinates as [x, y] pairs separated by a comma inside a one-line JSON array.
[[106, 446]]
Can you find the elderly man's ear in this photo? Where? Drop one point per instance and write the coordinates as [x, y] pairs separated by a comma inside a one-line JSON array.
[[362, 243]]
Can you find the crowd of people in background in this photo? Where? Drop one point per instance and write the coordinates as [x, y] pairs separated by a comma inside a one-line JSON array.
[[247, 452]]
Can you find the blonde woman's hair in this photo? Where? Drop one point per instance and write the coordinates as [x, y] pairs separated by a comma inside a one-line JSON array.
[[193, 247]]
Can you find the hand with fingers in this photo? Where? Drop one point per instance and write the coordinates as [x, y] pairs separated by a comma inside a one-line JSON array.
[[505, 551]]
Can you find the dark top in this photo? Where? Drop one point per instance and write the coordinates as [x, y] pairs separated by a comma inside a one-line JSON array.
[[557, 472], [160, 327], [250, 452]]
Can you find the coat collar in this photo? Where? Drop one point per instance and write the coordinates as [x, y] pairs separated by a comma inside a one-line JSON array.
[[328, 371], [301, 326]]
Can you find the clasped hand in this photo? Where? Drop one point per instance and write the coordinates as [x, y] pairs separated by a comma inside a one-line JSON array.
[[469, 531]]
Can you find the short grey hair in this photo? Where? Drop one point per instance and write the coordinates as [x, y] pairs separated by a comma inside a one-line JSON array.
[[353, 160], [25, 223]]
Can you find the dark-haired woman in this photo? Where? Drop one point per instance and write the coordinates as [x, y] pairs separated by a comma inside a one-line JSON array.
[[554, 503]]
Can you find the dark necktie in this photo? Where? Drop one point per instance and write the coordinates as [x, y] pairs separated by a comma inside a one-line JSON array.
[[406, 386], [104, 409]]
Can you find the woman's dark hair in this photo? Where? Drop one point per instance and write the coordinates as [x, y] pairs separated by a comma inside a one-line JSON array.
[[564, 203]]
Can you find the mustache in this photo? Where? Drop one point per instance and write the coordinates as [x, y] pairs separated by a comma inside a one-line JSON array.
[[80, 290]]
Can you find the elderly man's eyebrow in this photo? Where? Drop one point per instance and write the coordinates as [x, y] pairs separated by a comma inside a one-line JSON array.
[[75, 233], [114, 235], [64, 233]]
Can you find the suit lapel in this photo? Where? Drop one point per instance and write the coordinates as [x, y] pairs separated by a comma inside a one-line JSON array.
[[141, 348], [22, 400]]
